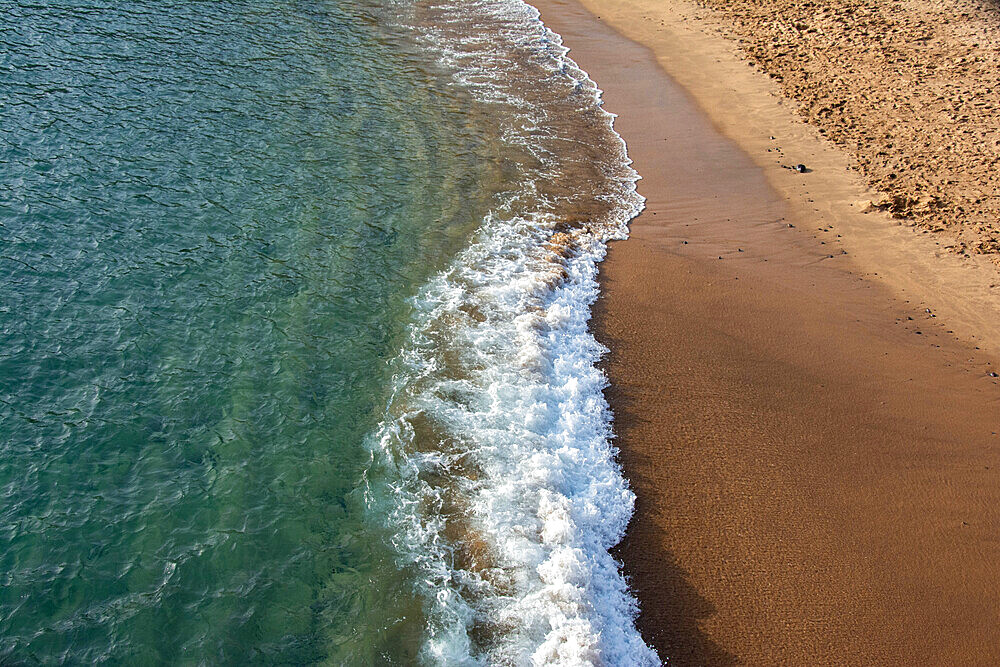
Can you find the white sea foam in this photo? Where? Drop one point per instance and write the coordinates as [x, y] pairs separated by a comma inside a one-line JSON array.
[[503, 492]]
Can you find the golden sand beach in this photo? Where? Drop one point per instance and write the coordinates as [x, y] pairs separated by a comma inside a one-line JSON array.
[[802, 382]]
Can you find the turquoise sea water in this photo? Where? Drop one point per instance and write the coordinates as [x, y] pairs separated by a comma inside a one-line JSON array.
[[224, 227], [211, 215]]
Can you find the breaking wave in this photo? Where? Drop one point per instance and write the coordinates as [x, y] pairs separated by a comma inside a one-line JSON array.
[[493, 466]]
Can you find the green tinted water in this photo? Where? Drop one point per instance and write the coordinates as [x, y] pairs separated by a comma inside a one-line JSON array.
[[211, 216]]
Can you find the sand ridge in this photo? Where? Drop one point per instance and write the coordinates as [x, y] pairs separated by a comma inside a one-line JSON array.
[[911, 88]]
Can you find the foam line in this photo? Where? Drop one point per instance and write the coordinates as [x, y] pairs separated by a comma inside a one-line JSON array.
[[502, 488]]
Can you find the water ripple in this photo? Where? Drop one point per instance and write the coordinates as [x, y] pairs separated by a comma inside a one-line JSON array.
[[211, 216]]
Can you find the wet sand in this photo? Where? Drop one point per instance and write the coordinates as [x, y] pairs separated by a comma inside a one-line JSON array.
[[818, 475]]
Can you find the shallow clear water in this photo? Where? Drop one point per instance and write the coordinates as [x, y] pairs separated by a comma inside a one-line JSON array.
[[211, 216], [244, 246]]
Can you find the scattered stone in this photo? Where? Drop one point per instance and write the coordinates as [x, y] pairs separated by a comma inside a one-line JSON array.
[[801, 168]]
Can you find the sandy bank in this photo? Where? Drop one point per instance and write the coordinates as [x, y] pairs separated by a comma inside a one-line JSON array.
[[749, 107], [818, 474]]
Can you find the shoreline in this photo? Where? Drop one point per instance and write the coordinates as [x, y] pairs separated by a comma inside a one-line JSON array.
[[818, 476]]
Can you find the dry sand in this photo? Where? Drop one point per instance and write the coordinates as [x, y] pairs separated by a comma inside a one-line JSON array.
[[818, 474], [910, 88]]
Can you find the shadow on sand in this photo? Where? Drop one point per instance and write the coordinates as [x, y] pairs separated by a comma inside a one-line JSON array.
[[671, 609]]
